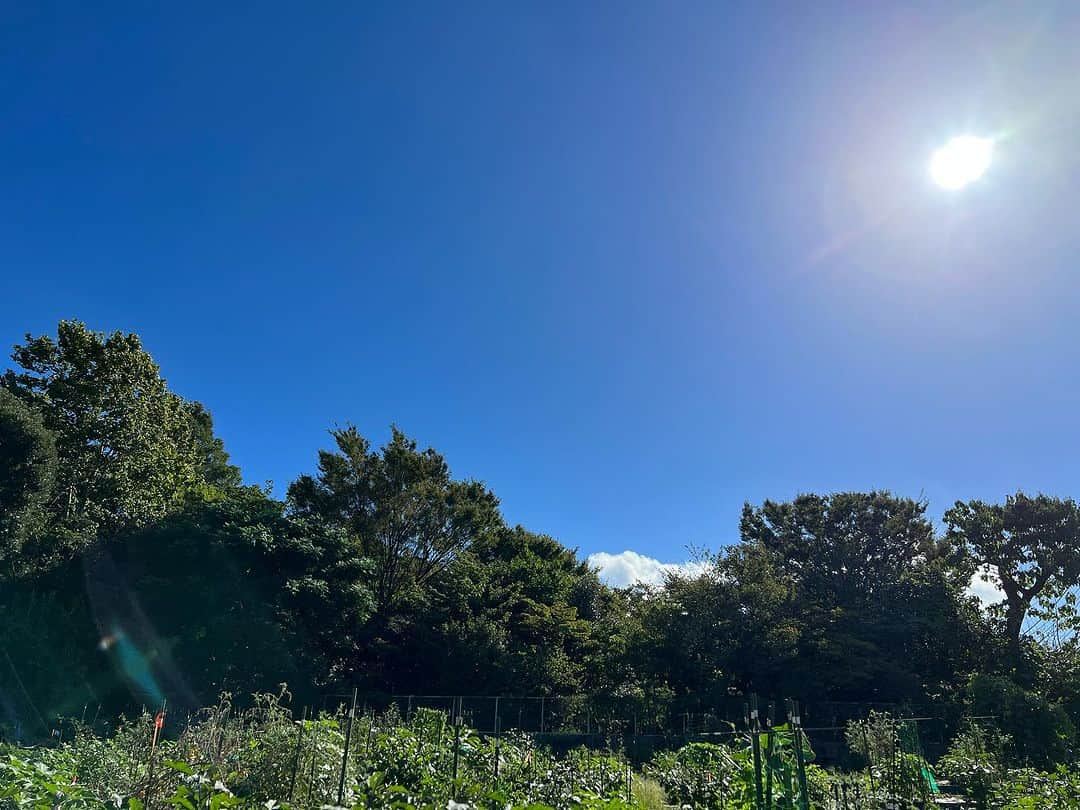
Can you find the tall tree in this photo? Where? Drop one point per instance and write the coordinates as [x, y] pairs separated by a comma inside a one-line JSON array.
[[27, 475], [1032, 542], [411, 518], [843, 547], [129, 449], [216, 469], [859, 570], [232, 595]]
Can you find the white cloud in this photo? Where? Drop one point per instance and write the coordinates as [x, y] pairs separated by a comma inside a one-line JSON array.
[[986, 587], [629, 567]]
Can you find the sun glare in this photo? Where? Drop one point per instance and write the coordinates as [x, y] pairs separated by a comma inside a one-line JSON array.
[[961, 161]]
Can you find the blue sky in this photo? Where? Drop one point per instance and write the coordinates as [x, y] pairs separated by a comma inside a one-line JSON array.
[[630, 264]]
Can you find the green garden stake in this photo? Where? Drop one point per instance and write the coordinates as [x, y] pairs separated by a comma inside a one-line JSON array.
[[800, 759], [770, 752], [754, 725]]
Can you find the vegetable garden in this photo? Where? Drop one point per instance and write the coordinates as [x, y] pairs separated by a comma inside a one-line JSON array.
[[263, 756]]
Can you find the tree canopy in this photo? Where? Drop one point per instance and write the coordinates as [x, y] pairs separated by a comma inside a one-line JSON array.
[[135, 562]]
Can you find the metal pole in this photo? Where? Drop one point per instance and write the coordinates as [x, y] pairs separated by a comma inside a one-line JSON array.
[[345, 753], [296, 760], [869, 755], [457, 750], [153, 748], [496, 741], [314, 756]]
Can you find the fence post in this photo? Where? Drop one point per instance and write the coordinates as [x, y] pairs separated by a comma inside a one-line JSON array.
[[770, 748], [296, 760], [753, 724], [314, 756], [869, 755], [159, 724], [345, 753], [496, 741], [457, 751]]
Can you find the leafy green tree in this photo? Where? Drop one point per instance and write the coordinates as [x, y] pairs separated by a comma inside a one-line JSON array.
[[1032, 542], [27, 476], [544, 600], [1040, 732], [844, 547], [411, 518], [216, 469], [129, 449], [233, 595], [868, 583], [47, 661], [515, 613]]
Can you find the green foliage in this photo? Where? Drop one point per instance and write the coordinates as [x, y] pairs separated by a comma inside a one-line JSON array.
[[27, 479], [228, 758], [1041, 733], [410, 517], [225, 758], [974, 761], [1032, 542], [134, 564], [1029, 789], [648, 794], [130, 450], [45, 781], [867, 591]]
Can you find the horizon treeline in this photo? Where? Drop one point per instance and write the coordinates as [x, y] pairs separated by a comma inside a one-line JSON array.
[[136, 564]]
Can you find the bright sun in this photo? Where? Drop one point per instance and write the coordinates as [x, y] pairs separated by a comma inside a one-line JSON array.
[[961, 161]]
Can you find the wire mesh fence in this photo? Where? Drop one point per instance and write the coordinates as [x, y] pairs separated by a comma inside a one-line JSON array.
[[641, 725]]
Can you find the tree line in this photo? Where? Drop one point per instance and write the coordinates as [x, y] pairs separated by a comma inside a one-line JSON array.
[[134, 562]]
